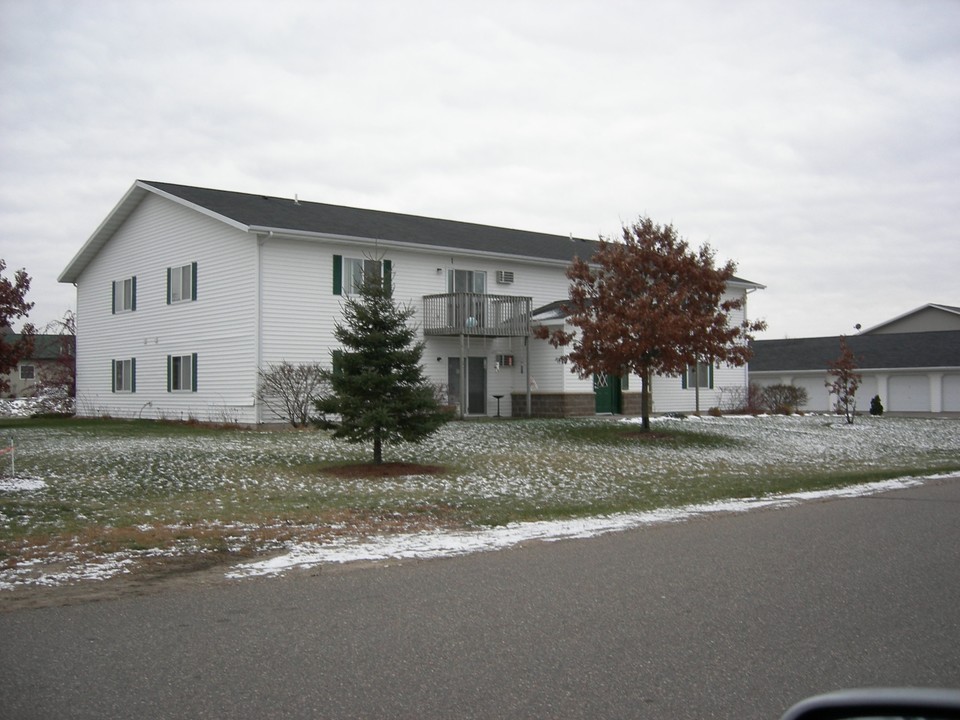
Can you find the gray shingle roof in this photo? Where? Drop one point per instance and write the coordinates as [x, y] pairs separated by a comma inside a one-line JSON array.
[[898, 350], [263, 211]]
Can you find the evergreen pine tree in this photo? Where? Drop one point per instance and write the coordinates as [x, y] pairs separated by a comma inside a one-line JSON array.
[[378, 387]]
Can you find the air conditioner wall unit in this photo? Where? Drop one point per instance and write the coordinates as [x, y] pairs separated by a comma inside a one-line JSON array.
[[505, 277]]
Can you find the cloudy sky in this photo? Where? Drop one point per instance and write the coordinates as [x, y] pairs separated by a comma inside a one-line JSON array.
[[816, 144]]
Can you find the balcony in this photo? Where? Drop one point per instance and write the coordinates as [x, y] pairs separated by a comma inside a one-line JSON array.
[[476, 315]]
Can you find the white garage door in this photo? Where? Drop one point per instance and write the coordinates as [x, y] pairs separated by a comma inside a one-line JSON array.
[[909, 393], [951, 393], [818, 399]]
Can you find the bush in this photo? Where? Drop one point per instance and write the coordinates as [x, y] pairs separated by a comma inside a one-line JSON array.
[[783, 399], [741, 400], [876, 407], [290, 391]]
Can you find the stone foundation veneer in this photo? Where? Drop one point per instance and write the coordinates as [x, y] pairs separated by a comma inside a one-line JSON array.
[[554, 404]]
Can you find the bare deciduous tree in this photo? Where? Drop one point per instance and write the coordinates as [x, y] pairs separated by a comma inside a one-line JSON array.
[[59, 379], [291, 391]]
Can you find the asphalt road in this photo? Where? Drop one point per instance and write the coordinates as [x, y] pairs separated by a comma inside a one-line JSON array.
[[735, 616]]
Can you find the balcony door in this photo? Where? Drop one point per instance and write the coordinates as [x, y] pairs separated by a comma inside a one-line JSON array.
[[476, 383], [467, 281], [466, 308]]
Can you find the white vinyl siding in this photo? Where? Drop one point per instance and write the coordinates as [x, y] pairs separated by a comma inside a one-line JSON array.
[[220, 328]]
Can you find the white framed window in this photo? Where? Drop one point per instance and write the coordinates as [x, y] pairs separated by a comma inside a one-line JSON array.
[[124, 375], [27, 372], [182, 373], [182, 283], [349, 273], [469, 281], [355, 270], [699, 375], [124, 295]]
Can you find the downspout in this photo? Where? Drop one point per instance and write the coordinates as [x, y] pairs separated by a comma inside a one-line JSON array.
[[526, 344], [258, 350], [463, 378]]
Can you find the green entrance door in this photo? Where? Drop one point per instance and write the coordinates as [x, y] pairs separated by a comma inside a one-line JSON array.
[[608, 394]]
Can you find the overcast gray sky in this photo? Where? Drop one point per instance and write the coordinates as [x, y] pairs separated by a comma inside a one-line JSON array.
[[816, 144]]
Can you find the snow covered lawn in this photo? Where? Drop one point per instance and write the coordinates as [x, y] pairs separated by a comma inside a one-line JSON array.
[[94, 499]]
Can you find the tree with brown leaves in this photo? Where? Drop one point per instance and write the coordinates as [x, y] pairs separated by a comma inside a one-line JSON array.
[[13, 305], [650, 305], [845, 381]]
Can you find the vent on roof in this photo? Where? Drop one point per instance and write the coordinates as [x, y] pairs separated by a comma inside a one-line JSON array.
[[505, 277]]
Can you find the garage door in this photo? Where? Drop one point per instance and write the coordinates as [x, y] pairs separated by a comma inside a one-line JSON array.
[[951, 393], [818, 399], [909, 393]]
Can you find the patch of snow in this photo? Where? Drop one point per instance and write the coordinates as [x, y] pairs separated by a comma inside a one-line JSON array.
[[28, 406], [21, 484], [427, 545]]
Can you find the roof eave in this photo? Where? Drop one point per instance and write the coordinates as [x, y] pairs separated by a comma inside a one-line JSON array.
[[424, 247], [115, 219], [937, 306]]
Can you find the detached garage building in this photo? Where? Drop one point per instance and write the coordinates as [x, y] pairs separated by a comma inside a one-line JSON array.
[[912, 362]]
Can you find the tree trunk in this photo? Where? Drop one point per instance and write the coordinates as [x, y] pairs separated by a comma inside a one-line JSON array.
[[645, 400], [377, 450]]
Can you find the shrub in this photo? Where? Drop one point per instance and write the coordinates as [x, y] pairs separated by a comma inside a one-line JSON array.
[[876, 407], [742, 400], [783, 399], [289, 391]]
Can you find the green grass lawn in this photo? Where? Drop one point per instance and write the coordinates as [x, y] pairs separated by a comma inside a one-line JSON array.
[[105, 486]]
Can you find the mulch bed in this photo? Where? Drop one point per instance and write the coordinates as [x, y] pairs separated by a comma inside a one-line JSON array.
[[383, 470]]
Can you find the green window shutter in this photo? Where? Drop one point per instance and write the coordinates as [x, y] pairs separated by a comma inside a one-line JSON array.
[[133, 293], [169, 373], [338, 274], [337, 358], [169, 275], [193, 283], [113, 376], [133, 375], [388, 276], [193, 367], [683, 379], [113, 298], [710, 375]]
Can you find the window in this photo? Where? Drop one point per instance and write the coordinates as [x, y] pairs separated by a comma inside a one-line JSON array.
[[182, 283], [26, 372], [124, 295], [471, 281], [182, 373], [124, 375], [700, 375], [349, 273]]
